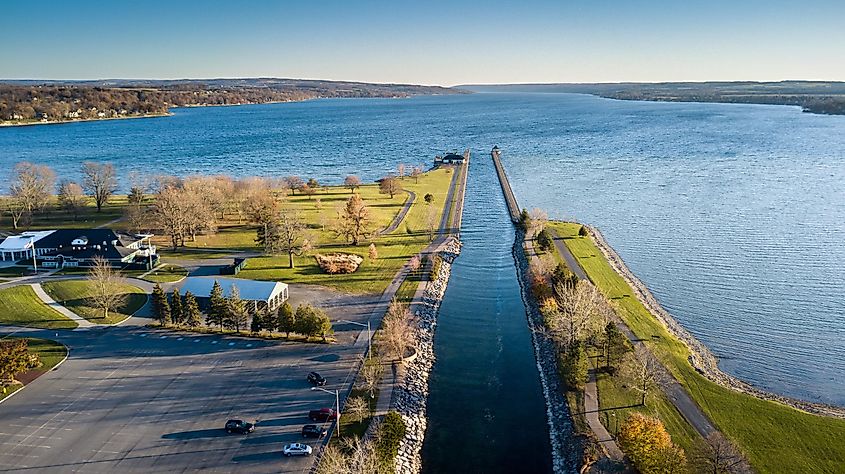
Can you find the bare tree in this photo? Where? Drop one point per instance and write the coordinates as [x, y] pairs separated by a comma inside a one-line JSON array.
[[356, 409], [71, 197], [397, 331], [353, 222], [100, 181], [170, 215], [720, 456], [32, 186], [371, 374], [431, 222], [354, 456], [416, 173], [577, 315], [352, 182], [538, 221], [390, 185], [400, 168], [640, 372], [293, 238], [106, 291], [294, 183]]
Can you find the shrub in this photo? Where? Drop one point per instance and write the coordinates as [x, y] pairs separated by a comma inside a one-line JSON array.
[[544, 240], [392, 430], [583, 231], [338, 263], [649, 447], [436, 262]]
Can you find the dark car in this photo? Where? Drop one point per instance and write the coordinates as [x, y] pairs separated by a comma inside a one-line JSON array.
[[239, 426], [316, 379], [313, 431], [322, 415]]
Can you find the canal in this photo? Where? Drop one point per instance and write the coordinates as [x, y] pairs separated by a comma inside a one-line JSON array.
[[486, 411]]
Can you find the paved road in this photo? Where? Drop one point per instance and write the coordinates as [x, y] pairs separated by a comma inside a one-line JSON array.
[[570, 260], [412, 196]]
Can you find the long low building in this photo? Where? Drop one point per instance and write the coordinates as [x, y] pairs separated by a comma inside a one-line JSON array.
[[262, 294], [79, 247]]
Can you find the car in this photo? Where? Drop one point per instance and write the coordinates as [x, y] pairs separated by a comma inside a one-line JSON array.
[[322, 415], [316, 379], [297, 449], [313, 431], [239, 426]]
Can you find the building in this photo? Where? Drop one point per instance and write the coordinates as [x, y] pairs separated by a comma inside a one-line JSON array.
[[79, 247], [258, 294], [452, 158]]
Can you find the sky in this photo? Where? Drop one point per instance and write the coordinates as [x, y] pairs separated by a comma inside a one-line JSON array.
[[425, 42]]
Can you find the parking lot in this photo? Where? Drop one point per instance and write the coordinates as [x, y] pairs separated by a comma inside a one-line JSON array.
[[132, 399]]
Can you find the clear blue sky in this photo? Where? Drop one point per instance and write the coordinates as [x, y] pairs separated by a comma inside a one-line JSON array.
[[426, 42]]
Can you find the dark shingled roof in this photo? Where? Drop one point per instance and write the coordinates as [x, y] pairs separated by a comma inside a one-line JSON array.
[[61, 240]]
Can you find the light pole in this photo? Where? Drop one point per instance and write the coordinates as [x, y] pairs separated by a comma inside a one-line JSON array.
[[369, 336], [34, 263], [337, 403]]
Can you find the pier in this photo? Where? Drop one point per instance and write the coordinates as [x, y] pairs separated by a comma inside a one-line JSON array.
[[510, 200]]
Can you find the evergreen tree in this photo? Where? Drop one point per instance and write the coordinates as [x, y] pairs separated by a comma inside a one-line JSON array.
[[544, 240], [191, 311], [177, 313], [161, 308], [575, 366], [237, 315], [216, 307], [286, 319], [259, 320]]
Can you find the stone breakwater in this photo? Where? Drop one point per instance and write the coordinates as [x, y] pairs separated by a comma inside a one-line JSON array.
[[412, 393], [700, 356], [565, 453]]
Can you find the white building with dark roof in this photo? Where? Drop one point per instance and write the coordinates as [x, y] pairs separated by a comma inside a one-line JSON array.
[[262, 294]]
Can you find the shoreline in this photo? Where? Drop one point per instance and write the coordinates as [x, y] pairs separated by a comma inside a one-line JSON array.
[[98, 119], [701, 358]]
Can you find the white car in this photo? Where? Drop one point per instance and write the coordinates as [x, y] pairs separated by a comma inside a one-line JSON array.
[[297, 449]]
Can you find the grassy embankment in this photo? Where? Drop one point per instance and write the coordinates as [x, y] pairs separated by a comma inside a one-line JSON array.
[[75, 295], [774, 436], [49, 352], [372, 276], [20, 306]]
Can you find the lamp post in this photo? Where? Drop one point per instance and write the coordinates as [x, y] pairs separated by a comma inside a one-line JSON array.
[[337, 403], [34, 263], [369, 336]]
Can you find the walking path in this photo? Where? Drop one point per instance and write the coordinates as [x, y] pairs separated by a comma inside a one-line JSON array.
[[412, 196], [80, 321], [570, 260], [591, 413]]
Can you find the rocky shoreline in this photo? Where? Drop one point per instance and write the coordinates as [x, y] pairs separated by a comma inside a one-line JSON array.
[[412, 394], [700, 356], [565, 453]]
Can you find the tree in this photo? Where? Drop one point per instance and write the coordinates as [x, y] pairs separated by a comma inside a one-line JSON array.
[[17, 211], [390, 185], [32, 185], [217, 308], [524, 220], [574, 366], [544, 240], [577, 316], [177, 312], [371, 375], [720, 456], [616, 345], [170, 214], [308, 190], [356, 409], [293, 183], [286, 319], [429, 198], [311, 321], [161, 308], [415, 173], [649, 447], [352, 182], [71, 197], [400, 168], [372, 252], [397, 332], [583, 231], [236, 314], [259, 321], [431, 222], [99, 181], [14, 359], [390, 434], [135, 196], [354, 220], [641, 373], [313, 184], [106, 294], [292, 237], [538, 219], [193, 316]]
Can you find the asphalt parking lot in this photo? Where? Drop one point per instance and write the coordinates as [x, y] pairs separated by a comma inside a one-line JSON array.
[[132, 399]]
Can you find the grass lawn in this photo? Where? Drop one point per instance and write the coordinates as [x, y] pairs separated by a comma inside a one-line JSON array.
[[19, 306], [773, 435], [75, 296], [372, 276], [53, 217], [12, 272], [167, 273], [50, 353]]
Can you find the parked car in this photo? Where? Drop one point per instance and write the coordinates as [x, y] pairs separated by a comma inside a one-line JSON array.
[[297, 449], [239, 426], [316, 379], [313, 431], [322, 415]]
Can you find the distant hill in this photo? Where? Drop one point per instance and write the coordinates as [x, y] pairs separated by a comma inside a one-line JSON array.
[[812, 96], [35, 101]]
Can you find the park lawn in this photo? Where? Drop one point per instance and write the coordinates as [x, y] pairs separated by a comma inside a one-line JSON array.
[[773, 435], [393, 249], [53, 217], [168, 273], [49, 352], [20, 306], [75, 296], [12, 272]]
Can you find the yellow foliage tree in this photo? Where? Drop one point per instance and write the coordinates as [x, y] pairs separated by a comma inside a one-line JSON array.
[[649, 446]]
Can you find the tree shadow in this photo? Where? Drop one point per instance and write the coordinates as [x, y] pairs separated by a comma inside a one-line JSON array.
[[198, 434]]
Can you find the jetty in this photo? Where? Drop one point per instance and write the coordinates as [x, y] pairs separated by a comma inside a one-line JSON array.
[[510, 199]]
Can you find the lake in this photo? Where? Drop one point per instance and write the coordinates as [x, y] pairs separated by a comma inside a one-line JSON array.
[[734, 215]]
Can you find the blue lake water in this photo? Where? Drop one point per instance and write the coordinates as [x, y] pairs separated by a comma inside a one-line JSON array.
[[734, 215]]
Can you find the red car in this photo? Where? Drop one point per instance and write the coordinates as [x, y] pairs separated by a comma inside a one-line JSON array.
[[322, 415]]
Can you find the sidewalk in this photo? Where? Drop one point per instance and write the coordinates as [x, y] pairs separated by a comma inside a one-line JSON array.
[[80, 321]]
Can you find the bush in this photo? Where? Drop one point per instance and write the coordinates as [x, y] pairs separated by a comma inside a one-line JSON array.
[[583, 231], [574, 368], [436, 262], [338, 263], [392, 430], [649, 447], [544, 240]]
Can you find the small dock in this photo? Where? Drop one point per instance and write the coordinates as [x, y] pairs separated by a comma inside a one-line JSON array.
[[510, 200]]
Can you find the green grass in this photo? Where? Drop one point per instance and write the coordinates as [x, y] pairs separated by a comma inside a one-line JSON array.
[[773, 435], [12, 272], [53, 217], [75, 295], [372, 276], [50, 353], [167, 274], [19, 306]]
